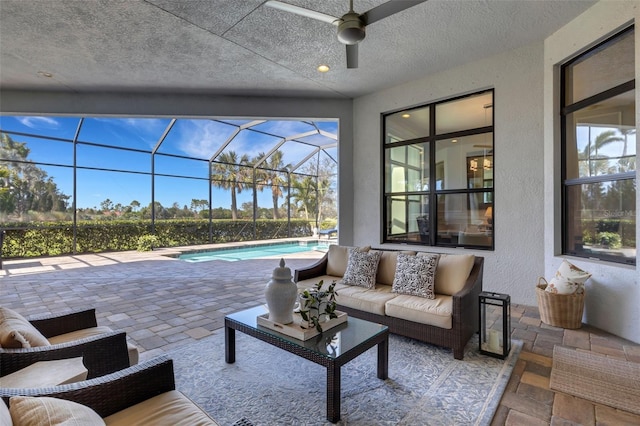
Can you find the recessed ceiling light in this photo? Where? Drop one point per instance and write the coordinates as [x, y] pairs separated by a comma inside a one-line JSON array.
[[454, 140], [323, 68], [406, 115], [45, 74]]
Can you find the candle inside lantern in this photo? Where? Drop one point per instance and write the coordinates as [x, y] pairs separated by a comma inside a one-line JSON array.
[[494, 340]]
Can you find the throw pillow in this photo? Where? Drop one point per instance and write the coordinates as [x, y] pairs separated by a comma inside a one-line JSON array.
[[17, 332], [387, 265], [562, 286], [416, 275], [361, 268], [32, 411], [568, 279], [338, 257]]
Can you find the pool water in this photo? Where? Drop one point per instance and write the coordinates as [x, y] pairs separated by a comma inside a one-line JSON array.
[[254, 252]]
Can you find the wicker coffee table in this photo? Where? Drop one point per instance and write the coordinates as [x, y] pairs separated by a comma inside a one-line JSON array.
[[332, 349]]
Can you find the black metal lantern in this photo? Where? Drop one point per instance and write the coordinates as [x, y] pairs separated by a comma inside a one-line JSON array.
[[495, 324]]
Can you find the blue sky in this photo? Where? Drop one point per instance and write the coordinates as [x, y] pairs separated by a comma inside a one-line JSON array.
[[198, 138]]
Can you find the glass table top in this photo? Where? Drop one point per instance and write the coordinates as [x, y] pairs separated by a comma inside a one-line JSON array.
[[332, 343]]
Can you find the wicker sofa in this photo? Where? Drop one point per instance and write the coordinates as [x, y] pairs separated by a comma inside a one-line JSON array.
[[144, 394], [449, 320], [70, 335]]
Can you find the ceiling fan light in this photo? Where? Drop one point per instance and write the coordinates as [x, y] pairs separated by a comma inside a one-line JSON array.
[[351, 30]]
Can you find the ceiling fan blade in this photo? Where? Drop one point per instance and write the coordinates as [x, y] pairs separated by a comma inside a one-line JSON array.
[[352, 56], [303, 12], [388, 9]]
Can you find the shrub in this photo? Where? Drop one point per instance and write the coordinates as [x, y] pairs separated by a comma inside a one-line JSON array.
[[148, 242], [609, 239]]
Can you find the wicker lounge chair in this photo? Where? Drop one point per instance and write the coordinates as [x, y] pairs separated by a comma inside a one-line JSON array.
[[102, 353], [142, 394]]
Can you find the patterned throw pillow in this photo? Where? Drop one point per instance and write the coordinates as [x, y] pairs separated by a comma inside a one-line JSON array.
[[416, 275], [569, 279], [361, 268]]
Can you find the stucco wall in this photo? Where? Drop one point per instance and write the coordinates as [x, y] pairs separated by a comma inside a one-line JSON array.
[[612, 302], [517, 77]]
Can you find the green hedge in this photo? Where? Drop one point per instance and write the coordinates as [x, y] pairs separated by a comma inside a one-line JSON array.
[[56, 238]]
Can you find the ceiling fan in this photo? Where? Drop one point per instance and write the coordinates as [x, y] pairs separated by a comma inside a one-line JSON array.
[[351, 25]]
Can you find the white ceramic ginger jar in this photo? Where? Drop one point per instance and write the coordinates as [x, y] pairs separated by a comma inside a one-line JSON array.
[[281, 294]]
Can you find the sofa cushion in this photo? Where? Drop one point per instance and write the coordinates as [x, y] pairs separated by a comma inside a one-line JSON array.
[[17, 332], [93, 331], [437, 312], [361, 268], [38, 411], [387, 265], [327, 280], [416, 275], [337, 258], [367, 300], [169, 408], [452, 272]]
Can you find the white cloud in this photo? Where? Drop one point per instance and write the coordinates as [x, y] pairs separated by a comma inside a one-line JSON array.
[[39, 122], [202, 138]]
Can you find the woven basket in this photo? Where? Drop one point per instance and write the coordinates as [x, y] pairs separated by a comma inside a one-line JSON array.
[[559, 310]]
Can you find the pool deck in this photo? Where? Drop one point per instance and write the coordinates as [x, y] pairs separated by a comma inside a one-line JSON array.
[[160, 301]]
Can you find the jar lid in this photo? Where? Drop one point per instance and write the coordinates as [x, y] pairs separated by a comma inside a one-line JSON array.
[[282, 272]]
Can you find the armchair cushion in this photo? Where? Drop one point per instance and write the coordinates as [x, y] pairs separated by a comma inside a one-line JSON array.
[[17, 332], [90, 332], [35, 411], [169, 408]]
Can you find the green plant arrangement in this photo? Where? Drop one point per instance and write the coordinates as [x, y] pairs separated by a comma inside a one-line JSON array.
[[317, 305]]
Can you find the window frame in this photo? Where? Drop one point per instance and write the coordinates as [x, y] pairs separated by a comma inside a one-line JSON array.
[[567, 183], [433, 193]]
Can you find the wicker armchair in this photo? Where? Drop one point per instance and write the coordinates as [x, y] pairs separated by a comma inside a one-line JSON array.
[[102, 354], [113, 393]]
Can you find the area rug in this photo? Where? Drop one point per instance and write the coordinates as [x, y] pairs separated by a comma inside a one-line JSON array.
[[597, 378], [269, 386]]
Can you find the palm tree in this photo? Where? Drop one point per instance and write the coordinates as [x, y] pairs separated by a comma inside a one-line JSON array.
[[229, 174], [274, 177], [596, 161], [304, 194]]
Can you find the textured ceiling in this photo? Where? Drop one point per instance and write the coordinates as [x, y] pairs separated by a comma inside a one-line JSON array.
[[231, 47]]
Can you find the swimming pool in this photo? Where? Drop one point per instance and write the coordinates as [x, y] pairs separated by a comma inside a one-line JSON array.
[[234, 254]]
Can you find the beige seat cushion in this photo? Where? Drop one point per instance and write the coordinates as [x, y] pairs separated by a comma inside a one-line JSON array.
[[368, 300], [37, 411], [337, 258], [326, 282], [93, 331], [387, 266], [17, 332], [167, 409], [437, 312], [452, 272]]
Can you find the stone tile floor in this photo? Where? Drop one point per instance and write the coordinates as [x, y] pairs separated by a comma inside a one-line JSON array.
[[163, 303]]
